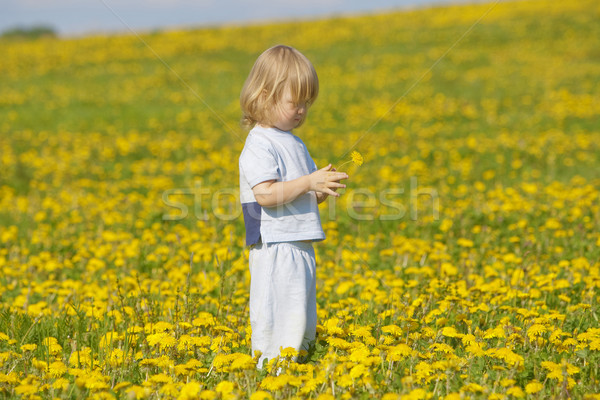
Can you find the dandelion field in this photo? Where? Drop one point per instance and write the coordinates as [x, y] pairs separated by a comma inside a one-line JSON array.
[[461, 261]]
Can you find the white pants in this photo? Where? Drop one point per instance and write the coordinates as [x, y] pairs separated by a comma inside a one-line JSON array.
[[283, 303]]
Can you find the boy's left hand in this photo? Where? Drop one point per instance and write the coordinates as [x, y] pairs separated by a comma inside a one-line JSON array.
[[322, 196]]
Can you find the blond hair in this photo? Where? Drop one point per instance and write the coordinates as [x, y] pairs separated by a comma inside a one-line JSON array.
[[276, 69]]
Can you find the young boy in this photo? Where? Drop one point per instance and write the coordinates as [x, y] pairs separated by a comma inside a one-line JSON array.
[[280, 187]]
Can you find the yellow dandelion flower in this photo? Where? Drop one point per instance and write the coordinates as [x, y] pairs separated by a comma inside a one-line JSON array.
[[497, 332], [515, 391], [357, 158], [57, 369], [595, 344], [225, 387], [156, 338], [507, 382], [28, 347], [168, 342], [416, 394], [109, 339], [52, 344], [160, 378], [121, 385], [261, 395], [473, 388], [171, 390], [507, 355], [450, 331], [274, 383], [288, 352], [81, 357], [204, 319], [392, 329], [442, 348], [60, 384], [463, 242], [423, 372], [535, 330], [475, 349], [339, 343], [533, 387], [345, 381], [332, 328], [358, 370], [309, 386], [242, 362], [325, 396], [139, 392], [26, 390], [572, 369], [359, 354], [190, 391]]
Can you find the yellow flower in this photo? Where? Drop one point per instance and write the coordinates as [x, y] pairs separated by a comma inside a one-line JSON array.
[[225, 387], [160, 378], [392, 329], [357, 158], [473, 388], [26, 390], [274, 383], [345, 381], [82, 357], [28, 347], [189, 391], [533, 387], [261, 395], [358, 370], [515, 391], [288, 352], [535, 330], [325, 396], [57, 369], [450, 331], [475, 349], [121, 385], [60, 384], [243, 361], [208, 395], [52, 344]]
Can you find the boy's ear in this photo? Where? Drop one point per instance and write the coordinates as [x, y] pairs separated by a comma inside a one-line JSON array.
[[262, 97], [264, 94]]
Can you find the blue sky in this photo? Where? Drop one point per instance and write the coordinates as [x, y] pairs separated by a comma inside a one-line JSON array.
[[75, 17]]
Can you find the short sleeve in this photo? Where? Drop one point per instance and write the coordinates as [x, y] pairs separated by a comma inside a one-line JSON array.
[[312, 167], [258, 162]]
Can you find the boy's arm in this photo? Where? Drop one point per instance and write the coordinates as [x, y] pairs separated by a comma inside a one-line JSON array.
[[323, 181]]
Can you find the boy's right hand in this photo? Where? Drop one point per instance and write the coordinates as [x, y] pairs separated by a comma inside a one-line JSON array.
[[327, 180]]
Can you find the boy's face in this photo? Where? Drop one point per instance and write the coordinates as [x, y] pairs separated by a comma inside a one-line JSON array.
[[289, 114]]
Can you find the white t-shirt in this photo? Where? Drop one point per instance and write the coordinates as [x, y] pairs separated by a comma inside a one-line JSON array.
[[272, 154]]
